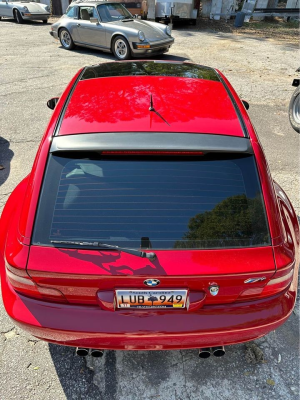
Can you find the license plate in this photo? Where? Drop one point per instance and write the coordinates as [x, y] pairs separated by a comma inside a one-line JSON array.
[[175, 299]]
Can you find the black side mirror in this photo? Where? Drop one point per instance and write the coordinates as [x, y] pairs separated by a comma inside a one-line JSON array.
[[246, 104], [52, 102]]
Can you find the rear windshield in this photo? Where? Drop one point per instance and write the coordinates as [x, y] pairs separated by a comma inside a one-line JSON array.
[[205, 202]]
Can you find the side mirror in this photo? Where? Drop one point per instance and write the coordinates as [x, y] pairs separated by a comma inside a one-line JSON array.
[[246, 104], [94, 21], [52, 102]]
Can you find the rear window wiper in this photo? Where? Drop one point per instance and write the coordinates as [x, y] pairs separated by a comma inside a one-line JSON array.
[[104, 246]]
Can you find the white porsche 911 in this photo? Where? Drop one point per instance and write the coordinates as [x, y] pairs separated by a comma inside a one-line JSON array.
[[24, 10]]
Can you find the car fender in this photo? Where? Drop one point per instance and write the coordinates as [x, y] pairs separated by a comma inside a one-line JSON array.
[[10, 216], [118, 33]]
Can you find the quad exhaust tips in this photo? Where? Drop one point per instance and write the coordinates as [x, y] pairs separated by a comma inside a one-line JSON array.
[[218, 351], [83, 352], [97, 353], [204, 353]]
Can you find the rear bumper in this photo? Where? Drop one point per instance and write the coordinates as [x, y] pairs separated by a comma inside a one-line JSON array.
[[90, 326]]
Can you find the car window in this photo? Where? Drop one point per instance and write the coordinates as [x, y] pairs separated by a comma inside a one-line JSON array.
[[176, 203], [87, 13], [72, 12], [113, 12]]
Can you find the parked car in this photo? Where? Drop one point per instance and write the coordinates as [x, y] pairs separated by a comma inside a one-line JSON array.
[[24, 10], [150, 219], [110, 27], [294, 106]]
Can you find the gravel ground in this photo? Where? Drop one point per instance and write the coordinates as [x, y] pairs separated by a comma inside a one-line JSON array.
[[34, 68]]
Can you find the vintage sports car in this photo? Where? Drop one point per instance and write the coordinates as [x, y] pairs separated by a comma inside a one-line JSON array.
[[110, 27], [24, 10], [150, 219]]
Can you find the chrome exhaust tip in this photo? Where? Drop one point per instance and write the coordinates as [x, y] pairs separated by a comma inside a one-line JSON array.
[[97, 353], [81, 351], [205, 352], [218, 351]]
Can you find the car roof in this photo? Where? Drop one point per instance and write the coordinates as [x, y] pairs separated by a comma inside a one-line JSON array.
[[150, 96], [91, 2]]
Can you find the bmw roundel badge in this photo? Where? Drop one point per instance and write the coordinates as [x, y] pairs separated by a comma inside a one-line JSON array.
[[151, 282]]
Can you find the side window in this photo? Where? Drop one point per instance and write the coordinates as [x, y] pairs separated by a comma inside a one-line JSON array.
[[72, 12], [87, 13]]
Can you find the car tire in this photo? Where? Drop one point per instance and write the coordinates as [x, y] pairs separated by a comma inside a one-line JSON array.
[[66, 39], [294, 110], [18, 17], [121, 48], [45, 21]]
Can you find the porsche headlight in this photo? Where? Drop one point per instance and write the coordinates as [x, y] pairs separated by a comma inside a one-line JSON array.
[[141, 36], [47, 8], [25, 9], [168, 30]]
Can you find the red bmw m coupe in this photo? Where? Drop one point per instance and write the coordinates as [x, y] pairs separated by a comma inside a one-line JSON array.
[[150, 219]]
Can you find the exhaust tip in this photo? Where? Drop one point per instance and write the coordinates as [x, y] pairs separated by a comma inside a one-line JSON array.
[[204, 353], [218, 351], [81, 352], [97, 353]]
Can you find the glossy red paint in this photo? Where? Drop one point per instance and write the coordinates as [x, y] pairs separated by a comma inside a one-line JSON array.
[[121, 104], [75, 288], [85, 272]]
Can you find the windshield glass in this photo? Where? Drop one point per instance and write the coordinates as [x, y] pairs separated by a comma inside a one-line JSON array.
[[113, 12], [203, 202]]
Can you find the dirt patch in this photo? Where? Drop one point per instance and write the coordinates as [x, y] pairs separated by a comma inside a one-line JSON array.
[[273, 28]]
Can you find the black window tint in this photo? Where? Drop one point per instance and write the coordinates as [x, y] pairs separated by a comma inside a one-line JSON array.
[[184, 203]]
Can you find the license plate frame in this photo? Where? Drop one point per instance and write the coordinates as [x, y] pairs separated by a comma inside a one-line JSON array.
[[125, 302]]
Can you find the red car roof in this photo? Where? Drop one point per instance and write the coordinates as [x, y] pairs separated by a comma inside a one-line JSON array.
[[121, 104]]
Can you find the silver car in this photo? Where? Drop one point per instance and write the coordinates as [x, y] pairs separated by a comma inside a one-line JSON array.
[[24, 10], [110, 27]]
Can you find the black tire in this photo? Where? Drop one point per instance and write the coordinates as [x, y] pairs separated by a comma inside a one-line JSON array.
[[294, 110], [121, 48], [157, 19], [66, 39], [18, 17], [45, 21]]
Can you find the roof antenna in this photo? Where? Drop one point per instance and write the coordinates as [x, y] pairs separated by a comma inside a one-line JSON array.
[[151, 108]]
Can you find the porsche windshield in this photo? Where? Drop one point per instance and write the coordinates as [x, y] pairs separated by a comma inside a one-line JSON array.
[[113, 12]]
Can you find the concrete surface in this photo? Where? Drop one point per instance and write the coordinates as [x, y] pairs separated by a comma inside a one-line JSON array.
[[34, 68]]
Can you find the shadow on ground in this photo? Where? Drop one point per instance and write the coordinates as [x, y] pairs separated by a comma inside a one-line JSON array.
[[6, 155]]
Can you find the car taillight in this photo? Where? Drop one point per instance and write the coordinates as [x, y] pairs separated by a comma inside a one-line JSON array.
[[279, 282], [22, 283]]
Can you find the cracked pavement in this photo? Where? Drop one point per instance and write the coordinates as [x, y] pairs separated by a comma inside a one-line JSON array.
[[34, 68]]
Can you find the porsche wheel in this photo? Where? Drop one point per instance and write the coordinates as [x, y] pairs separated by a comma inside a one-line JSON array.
[[66, 39], [294, 110], [120, 48], [18, 17]]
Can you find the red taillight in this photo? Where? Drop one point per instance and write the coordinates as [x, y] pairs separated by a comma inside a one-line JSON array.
[[279, 282], [152, 153], [22, 283]]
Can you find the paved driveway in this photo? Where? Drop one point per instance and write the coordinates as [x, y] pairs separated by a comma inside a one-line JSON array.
[[34, 68]]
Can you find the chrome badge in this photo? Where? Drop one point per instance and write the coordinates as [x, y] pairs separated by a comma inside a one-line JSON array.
[[151, 282], [253, 280], [214, 289]]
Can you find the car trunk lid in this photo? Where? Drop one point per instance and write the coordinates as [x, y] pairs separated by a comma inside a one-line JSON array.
[[81, 274]]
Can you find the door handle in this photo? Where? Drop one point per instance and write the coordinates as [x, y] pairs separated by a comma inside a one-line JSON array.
[[78, 24]]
